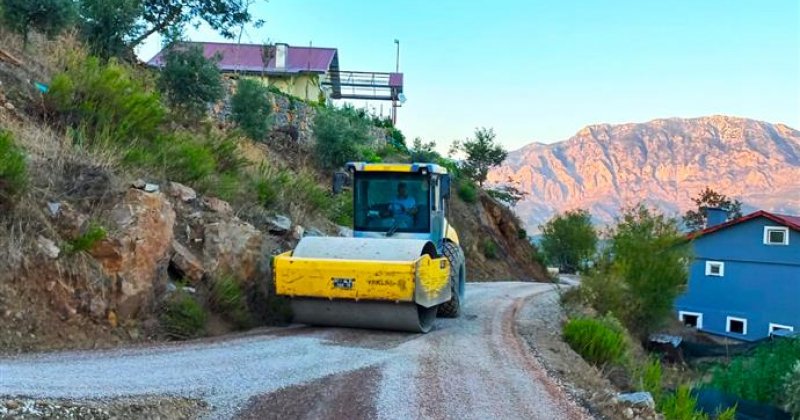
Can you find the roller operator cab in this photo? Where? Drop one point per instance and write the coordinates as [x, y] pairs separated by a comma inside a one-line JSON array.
[[401, 268]]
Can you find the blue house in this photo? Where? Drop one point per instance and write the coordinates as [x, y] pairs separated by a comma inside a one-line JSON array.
[[744, 282]]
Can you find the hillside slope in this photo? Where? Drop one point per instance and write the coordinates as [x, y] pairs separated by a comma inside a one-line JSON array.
[[97, 252], [664, 162]]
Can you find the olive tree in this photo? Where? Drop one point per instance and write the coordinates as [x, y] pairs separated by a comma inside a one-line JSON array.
[[189, 80], [569, 240], [481, 153], [46, 16]]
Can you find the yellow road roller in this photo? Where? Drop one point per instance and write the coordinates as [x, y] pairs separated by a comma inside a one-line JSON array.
[[402, 266]]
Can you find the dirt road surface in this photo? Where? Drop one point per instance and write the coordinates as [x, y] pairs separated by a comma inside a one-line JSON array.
[[473, 367]]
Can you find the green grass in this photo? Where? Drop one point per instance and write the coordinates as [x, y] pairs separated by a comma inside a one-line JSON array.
[[468, 192], [650, 378], [13, 170], [183, 317], [94, 233], [227, 297], [490, 249], [598, 341], [791, 392]]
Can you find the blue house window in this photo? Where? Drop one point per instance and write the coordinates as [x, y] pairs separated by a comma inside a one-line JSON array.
[[691, 319], [776, 235], [736, 325], [715, 268], [778, 327]]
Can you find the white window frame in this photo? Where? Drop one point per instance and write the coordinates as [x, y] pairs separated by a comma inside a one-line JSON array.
[[699, 316], [733, 318], [773, 326], [721, 265], [784, 229]]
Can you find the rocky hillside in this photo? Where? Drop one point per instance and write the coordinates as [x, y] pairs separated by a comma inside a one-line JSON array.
[[664, 162], [97, 251]]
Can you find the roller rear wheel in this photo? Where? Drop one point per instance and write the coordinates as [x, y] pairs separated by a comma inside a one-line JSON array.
[[452, 308]]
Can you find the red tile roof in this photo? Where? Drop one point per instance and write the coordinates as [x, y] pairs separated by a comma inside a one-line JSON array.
[[792, 222], [250, 58]]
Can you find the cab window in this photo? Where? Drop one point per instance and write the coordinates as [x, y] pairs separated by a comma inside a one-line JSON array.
[[396, 202]]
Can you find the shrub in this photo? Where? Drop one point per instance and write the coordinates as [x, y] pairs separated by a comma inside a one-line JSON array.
[[341, 137], [190, 81], [522, 233], [650, 378], [598, 341], [269, 184], [342, 210], [792, 392], [105, 102], [250, 108], [681, 405], [46, 16], [188, 162], [490, 249], [468, 192], [227, 297], [423, 152], [642, 271], [307, 193], [760, 376], [13, 170], [183, 317], [94, 233], [282, 188]]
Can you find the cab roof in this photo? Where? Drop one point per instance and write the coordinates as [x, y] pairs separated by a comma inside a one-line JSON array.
[[396, 167]]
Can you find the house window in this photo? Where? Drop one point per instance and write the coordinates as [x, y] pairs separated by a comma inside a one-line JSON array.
[[715, 268], [691, 319], [737, 325], [778, 327], [776, 235]]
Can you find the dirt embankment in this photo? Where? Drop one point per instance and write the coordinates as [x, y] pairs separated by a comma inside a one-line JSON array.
[[496, 246]]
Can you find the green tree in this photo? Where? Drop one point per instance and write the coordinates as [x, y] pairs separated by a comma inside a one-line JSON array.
[[341, 137], [423, 152], [224, 16], [13, 170], [569, 239], [108, 26], [46, 16], [648, 256], [481, 153], [695, 219], [190, 81], [250, 108]]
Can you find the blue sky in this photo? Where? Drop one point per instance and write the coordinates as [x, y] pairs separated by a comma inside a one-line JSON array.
[[541, 70]]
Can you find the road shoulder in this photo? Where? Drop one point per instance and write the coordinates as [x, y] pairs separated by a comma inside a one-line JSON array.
[[538, 323]]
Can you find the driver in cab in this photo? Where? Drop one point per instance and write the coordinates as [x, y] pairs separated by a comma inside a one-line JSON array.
[[403, 206]]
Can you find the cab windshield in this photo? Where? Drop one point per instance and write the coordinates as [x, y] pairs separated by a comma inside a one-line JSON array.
[[391, 202]]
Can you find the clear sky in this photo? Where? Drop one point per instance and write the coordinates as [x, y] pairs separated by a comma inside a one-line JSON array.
[[541, 70]]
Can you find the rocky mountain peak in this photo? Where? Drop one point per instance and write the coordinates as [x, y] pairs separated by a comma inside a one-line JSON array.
[[664, 162]]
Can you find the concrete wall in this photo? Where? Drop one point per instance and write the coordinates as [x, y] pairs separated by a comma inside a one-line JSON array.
[[760, 283]]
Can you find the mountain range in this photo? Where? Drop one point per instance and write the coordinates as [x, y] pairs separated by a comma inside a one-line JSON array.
[[664, 163]]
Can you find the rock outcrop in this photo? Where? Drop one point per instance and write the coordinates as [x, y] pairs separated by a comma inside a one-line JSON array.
[[233, 247], [136, 253], [663, 162]]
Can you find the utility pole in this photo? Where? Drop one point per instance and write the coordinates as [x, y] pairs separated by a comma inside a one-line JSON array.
[[397, 70]]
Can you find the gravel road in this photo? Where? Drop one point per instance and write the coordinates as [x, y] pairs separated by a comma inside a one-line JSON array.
[[475, 366]]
